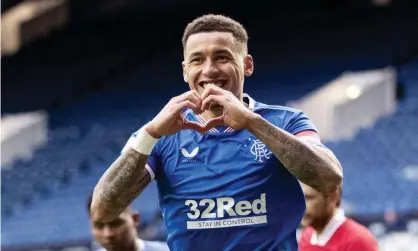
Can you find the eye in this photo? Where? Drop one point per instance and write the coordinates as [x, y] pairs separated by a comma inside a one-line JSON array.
[[98, 225], [196, 60], [222, 58], [116, 223]]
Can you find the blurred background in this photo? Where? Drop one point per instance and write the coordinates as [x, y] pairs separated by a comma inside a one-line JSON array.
[[78, 77]]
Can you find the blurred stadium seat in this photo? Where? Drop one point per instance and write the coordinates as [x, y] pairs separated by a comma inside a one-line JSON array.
[[43, 200], [60, 176]]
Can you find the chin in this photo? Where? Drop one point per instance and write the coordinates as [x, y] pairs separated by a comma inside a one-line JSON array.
[[112, 247], [216, 108]]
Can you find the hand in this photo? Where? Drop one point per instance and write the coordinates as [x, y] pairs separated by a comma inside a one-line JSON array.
[[236, 115], [171, 119]]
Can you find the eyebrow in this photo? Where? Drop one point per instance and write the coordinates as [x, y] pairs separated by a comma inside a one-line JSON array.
[[216, 52]]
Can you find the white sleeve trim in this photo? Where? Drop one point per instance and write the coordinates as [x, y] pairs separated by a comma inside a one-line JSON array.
[[150, 171], [311, 139]]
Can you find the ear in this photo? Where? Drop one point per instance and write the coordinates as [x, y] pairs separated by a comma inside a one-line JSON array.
[[183, 65], [136, 218], [248, 65], [334, 197]]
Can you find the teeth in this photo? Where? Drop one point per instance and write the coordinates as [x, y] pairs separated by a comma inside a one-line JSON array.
[[219, 84]]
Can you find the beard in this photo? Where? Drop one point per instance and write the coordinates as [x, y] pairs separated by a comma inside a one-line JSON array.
[[316, 222]]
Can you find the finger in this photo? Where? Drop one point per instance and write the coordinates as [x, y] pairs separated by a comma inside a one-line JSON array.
[[194, 97], [190, 95], [185, 104], [212, 89], [193, 126], [212, 99], [198, 101], [194, 92]]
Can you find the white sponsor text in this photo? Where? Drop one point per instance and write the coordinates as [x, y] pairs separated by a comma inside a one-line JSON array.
[[225, 207]]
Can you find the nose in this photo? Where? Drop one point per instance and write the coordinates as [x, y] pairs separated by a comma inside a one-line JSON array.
[[108, 232], [210, 69]]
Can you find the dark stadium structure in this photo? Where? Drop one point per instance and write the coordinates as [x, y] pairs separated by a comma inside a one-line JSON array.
[[101, 78]]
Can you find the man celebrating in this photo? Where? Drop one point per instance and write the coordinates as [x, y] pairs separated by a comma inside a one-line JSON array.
[[327, 229], [121, 234], [226, 166]]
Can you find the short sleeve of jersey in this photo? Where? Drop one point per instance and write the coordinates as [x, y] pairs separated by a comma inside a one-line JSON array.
[[297, 121], [153, 162]]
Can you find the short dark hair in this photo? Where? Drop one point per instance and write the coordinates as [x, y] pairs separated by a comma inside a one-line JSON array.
[[89, 201], [220, 23]]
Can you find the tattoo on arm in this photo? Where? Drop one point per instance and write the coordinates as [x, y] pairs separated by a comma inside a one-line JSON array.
[[313, 165], [125, 179]]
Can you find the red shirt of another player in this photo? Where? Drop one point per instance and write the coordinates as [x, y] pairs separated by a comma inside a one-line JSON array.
[[340, 234]]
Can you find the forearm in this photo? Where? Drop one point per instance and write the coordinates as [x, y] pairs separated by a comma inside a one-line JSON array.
[[313, 165], [125, 179]]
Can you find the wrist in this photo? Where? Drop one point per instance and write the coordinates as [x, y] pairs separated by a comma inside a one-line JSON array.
[[144, 142], [150, 128], [251, 118]]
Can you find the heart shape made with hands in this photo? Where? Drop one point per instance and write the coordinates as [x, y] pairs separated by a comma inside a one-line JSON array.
[[203, 128], [208, 102]]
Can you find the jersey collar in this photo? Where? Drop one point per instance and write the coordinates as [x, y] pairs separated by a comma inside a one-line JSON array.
[[246, 98], [250, 101], [203, 122], [336, 221], [140, 245]]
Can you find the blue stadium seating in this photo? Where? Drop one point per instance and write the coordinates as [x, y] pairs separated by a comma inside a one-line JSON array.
[[375, 160], [61, 176]]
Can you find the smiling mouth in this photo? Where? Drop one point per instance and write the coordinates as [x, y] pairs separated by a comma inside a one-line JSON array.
[[218, 83]]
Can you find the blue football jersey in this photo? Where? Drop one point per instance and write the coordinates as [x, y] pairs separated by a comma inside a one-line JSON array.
[[225, 189]]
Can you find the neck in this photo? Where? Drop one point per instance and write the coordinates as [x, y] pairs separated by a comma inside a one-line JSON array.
[[132, 246], [320, 228], [207, 115]]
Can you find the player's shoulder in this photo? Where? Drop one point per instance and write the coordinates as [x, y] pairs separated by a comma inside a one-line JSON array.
[[277, 112], [361, 238], [361, 231], [354, 225], [155, 246], [262, 107]]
